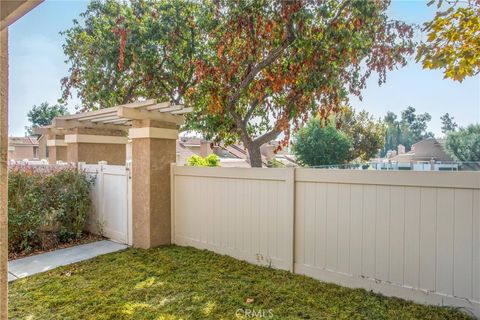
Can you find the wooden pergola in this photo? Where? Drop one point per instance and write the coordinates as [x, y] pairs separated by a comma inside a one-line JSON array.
[[102, 135], [118, 117], [83, 132], [125, 114]]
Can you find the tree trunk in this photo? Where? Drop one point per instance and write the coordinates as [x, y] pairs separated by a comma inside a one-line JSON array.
[[255, 155]]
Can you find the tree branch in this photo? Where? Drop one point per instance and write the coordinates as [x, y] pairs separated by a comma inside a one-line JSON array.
[[250, 111], [268, 136], [269, 59]]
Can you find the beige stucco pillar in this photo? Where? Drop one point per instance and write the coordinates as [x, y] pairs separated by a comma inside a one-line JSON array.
[[3, 171], [57, 148], [153, 150], [91, 145]]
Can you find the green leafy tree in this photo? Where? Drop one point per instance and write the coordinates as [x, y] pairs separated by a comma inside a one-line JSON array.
[[407, 130], [122, 51], [453, 39], [43, 114], [367, 134], [320, 143], [212, 160], [464, 144], [270, 65], [448, 123]]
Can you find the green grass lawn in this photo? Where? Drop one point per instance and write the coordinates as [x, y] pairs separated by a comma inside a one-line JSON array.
[[185, 283]]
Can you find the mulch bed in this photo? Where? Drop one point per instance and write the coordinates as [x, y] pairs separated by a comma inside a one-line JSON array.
[[54, 245]]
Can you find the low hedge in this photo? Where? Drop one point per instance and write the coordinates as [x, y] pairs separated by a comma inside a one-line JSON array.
[[46, 204]]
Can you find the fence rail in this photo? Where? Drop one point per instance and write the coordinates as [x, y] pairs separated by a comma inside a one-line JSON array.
[[414, 235]]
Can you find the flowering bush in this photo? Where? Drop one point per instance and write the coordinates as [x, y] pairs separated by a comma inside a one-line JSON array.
[[46, 204]]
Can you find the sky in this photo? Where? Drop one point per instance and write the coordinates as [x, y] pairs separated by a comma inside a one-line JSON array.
[[37, 64]]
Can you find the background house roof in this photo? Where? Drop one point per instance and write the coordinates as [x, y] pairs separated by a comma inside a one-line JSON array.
[[22, 141]]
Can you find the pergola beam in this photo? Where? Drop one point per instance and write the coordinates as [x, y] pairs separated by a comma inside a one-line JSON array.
[[158, 106], [139, 104], [88, 115], [183, 111], [61, 124], [172, 108], [134, 114]]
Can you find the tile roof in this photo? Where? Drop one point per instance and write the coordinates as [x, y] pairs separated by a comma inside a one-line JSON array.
[[22, 141]]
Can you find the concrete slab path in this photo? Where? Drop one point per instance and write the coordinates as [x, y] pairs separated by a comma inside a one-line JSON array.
[[25, 267]]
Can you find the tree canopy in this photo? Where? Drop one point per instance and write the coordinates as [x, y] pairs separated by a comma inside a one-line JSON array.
[[453, 39], [464, 144], [270, 65], [448, 123], [321, 144], [43, 114], [366, 134], [250, 69], [407, 130], [120, 52]]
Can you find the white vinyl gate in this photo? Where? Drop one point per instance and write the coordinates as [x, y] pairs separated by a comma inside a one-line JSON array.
[[111, 213]]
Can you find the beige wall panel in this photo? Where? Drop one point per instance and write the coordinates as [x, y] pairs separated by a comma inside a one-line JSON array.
[[397, 235], [412, 236], [463, 244], [382, 233], [445, 240]]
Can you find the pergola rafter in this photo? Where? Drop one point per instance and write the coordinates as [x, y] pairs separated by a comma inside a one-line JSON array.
[[123, 115]]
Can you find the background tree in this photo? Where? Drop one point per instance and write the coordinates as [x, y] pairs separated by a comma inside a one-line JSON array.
[[453, 39], [321, 144], [270, 65], [464, 144], [410, 129], [448, 123], [43, 115], [367, 134], [122, 51]]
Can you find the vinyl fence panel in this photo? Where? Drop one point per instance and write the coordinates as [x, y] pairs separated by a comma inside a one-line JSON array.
[[414, 235], [245, 213]]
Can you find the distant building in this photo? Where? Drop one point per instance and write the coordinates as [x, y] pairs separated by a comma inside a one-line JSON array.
[[234, 155], [425, 150], [21, 148], [426, 155]]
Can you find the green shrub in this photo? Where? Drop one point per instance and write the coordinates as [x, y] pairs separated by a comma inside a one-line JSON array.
[[45, 204], [212, 160], [319, 144], [274, 163]]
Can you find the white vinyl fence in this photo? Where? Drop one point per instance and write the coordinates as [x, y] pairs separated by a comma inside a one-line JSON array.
[[111, 213], [414, 235], [247, 214]]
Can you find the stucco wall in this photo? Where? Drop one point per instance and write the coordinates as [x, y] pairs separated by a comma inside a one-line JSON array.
[[92, 153], [22, 152], [151, 190], [3, 170]]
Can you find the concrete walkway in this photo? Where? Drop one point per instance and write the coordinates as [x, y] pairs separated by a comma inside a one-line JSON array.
[[25, 267]]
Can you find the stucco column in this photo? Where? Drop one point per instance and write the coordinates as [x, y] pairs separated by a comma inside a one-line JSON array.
[[3, 171], [57, 148], [153, 150], [91, 145]]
